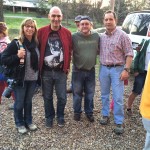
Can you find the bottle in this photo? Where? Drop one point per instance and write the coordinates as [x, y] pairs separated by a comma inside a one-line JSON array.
[[22, 59], [126, 82]]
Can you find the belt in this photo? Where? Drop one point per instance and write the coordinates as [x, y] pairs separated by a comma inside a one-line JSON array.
[[53, 69], [84, 69], [114, 65]]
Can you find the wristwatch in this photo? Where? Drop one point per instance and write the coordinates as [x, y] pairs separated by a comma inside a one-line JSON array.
[[127, 69]]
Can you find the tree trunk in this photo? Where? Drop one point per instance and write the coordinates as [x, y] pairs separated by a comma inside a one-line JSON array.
[[112, 5], [1, 11]]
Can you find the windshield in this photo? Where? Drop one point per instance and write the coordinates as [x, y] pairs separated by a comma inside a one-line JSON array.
[[137, 24], [127, 24]]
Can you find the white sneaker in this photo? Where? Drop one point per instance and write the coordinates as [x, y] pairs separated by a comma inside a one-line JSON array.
[[32, 127], [22, 129]]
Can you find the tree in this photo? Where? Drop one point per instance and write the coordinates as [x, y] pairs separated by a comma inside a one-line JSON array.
[[54, 2], [147, 5], [97, 13], [1, 11], [121, 10], [83, 7], [135, 5], [74, 11], [112, 4], [43, 8]]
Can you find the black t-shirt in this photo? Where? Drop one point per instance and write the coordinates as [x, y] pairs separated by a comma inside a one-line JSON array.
[[54, 52]]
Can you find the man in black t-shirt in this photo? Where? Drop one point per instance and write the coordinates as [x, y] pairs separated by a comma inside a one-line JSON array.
[[55, 44]]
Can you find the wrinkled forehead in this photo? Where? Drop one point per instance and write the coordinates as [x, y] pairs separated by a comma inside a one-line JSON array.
[[85, 21], [109, 15]]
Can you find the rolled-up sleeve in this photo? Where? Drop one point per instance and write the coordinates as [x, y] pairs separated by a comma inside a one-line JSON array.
[[127, 45]]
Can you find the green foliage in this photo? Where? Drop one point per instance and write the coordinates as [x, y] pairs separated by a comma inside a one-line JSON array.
[[1, 11], [43, 7], [54, 2], [121, 10], [13, 23]]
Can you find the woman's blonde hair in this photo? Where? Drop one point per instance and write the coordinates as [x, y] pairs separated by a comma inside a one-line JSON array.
[[25, 22], [3, 28]]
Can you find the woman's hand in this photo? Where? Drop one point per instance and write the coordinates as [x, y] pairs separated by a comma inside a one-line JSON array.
[[21, 53]]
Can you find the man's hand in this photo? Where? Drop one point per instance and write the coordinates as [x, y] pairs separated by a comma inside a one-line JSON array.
[[136, 74], [124, 75]]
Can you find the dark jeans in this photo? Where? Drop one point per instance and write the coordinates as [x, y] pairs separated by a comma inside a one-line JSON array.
[[139, 83], [83, 81], [49, 80], [23, 103]]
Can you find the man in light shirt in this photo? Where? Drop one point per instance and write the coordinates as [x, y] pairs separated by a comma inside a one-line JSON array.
[[116, 55]]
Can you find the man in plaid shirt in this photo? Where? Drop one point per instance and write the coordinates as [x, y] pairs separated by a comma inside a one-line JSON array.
[[116, 55]]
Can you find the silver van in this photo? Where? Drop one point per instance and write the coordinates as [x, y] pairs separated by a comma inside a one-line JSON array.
[[137, 26]]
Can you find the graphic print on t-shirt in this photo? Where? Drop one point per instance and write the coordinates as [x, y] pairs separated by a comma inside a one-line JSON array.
[[54, 52]]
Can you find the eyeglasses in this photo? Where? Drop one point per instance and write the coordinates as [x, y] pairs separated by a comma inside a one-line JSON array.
[[28, 26]]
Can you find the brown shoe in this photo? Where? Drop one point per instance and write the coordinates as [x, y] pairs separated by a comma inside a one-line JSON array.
[[104, 120], [119, 129]]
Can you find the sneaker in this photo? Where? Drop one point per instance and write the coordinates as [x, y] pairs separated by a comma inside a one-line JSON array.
[[104, 120], [49, 123], [69, 90], [61, 122], [22, 129], [129, 112], [119, 129], [77, 117], [32, 127], [90, 118]]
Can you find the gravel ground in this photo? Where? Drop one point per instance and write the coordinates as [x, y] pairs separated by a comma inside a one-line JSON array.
[[81, 135]]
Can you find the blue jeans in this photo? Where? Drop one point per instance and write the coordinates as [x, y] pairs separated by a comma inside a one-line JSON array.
[[83, 81], [23, 103], [146, 123], [49, 80], [110, 77]]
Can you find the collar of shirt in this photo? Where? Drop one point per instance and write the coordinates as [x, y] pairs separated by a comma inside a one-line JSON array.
[[110, 33]]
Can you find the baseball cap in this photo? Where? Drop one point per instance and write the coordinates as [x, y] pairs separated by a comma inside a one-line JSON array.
[[85, 18], [77, 18]]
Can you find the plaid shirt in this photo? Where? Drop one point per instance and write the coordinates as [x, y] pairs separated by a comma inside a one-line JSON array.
[[115, 47]]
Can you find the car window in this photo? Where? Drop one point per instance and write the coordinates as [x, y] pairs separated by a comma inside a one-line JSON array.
[[127, 24], [140, 24]]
